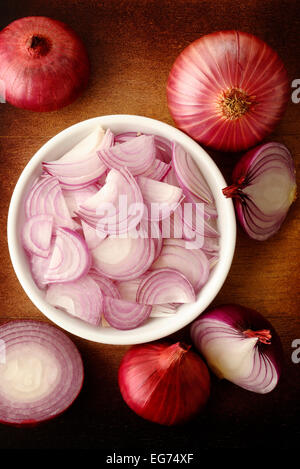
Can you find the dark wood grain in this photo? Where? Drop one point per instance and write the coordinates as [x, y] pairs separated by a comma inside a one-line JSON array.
[[132, 45]]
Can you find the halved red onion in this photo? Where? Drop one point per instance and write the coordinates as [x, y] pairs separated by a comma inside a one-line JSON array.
[[192, 263], [159, 197], [70, 259], [82, 298], [123, 258], [137, 155], [165, 286], [264, 187], [81, 166], [189, 175], [46, 198], [124, 314], [41, 373], [37, 233], [107, 286], [239, 345], [117, 207]]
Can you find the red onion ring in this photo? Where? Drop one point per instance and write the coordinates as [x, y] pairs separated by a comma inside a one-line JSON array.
[[37, 233], [81, 298], [70, 258], [41, 373], [125, 315], [165, 286]]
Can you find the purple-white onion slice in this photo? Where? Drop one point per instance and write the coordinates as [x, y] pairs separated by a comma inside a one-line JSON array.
[[37, 233], [70, 258], [264, 187], [157, 171], [81, 165], [41, 372], [192, 263], [46, 198], [123, 258], [117, 207], [82, 298], [189, 175], [165, 286], [125, 315], [240, 345], [107, 286], [159, 197], [137, 155]]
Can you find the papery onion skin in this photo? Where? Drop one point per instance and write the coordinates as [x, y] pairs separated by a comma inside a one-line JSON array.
[[245, 324], [245, 174], [228, 90], [165, 383], [46, 336], [43, 64]]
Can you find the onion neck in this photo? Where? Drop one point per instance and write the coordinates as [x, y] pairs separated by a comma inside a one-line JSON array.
[[235, 190], [235, 103], [38, 46], [264, 336], [172, 354]]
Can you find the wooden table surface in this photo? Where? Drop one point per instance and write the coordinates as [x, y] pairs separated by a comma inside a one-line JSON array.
[[132, 45]]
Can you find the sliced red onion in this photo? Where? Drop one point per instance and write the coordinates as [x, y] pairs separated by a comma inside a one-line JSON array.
[[81, 165], [189, 175], [158, 170], [160, 198], [107, 286], [118, 206], [264, 187], [74, 198], [163, 148], [39, 266], [124, 314], [92, 236], [82, 298], [171, 178], [70, 259], [239, 345], [192, 263], [41, 373], [37, 233], [165, 286], [161, 311], [123, 258], [46, 198], [136, 154]]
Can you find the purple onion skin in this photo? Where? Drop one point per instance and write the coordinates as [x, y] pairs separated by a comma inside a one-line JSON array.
[[242, 318]]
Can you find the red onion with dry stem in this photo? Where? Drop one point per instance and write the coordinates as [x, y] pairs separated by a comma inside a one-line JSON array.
[[163, 382], [43, 64], [228, 90]]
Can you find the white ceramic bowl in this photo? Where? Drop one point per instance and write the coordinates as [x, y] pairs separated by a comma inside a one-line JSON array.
[[154, 328]]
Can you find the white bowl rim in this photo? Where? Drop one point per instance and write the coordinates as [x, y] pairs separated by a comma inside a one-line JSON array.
[[154, 328]]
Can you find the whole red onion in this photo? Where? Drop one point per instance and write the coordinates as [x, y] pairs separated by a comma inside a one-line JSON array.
[[43, 64], [228, 90], [165, 383]]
